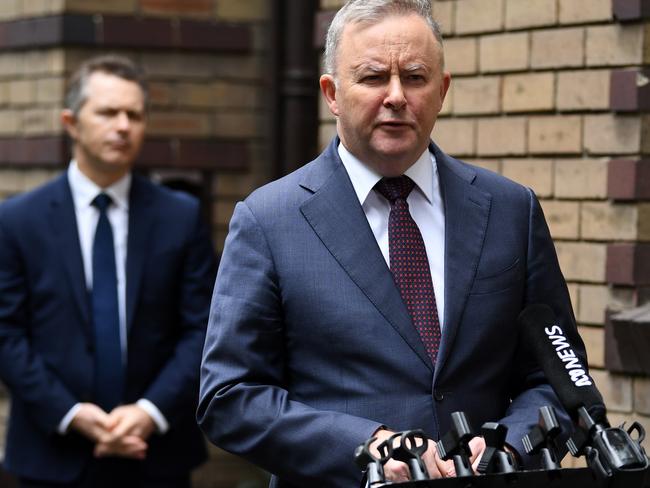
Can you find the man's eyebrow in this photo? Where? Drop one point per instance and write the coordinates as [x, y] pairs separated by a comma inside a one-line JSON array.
[[416, 67], [374, 67]]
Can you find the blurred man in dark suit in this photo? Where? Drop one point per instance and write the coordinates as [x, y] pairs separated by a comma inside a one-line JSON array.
[[105, 282]]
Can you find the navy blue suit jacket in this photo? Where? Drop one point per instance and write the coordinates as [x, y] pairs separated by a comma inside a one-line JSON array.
[[310, 347], [46, 343]]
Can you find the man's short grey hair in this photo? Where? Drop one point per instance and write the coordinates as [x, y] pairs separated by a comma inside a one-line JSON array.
[[111, 64], [372, 12]]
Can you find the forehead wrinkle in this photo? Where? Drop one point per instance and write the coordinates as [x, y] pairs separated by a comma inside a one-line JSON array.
[[390, 50], [373, 66]]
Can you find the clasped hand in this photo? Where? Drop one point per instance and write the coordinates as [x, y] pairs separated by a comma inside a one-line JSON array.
[[122, 432], [398, 471]]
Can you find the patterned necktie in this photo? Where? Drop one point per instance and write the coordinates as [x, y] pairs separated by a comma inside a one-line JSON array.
[[109, 370], [409, 263]]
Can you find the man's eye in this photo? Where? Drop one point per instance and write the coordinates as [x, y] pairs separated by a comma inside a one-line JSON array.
[[370, 78], [415, 77]]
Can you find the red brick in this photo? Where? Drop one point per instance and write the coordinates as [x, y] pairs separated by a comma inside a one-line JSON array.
[[628, 179], [179, 123], [194, 8]]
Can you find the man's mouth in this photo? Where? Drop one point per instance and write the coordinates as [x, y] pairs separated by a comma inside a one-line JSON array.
[[118, 145], [394, 124]]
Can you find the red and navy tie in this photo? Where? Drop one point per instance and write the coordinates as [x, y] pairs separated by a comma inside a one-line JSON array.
[[409, 263]]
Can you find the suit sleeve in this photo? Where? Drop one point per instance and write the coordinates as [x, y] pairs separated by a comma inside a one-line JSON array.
[[44, 396], [245, 402], [174, 389], [544, 284]]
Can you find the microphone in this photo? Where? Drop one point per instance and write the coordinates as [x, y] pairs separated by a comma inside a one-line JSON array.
[[610, 451], [541, 439], [562, 366], [372, 466], [455, 444]]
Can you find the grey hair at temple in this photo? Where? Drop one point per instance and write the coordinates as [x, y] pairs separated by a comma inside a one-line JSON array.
[[111, 64], [372, 12]]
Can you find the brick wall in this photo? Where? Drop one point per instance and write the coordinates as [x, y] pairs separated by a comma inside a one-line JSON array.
[[551, 93], [207, 62]]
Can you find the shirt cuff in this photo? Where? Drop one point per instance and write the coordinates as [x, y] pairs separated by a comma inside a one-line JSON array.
[[155, 414], [67, 419]]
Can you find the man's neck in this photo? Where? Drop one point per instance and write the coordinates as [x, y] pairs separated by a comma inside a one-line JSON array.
[[102, 179]]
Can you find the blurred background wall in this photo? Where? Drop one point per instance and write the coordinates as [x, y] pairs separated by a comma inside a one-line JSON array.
[[551, 93]]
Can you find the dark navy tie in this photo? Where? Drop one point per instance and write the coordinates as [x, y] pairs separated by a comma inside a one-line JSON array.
[[409, 264], [109, 370]]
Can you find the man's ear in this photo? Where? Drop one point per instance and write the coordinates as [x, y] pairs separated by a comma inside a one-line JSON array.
[[446, 82], [328, 89], [69, 121]]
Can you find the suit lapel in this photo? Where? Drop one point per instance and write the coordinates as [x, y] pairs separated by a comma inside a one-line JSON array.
[[61, 216], [466, 216], [141, 220], [335, 215]]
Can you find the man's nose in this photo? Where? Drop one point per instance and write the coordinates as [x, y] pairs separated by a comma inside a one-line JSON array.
[[395, 98], [123, 121]]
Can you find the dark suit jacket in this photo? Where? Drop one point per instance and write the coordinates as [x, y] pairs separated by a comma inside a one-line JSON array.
[[310, 347], [46, 344]]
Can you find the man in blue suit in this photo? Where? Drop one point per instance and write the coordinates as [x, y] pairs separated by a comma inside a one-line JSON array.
[[323, 331], [105, 283]]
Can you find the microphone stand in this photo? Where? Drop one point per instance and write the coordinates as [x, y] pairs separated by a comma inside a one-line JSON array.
[[373, 466], [541, 439], [455, 444], [612, 454]]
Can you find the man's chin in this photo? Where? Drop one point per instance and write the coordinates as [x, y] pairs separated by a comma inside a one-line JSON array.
[[117, 163], [398, 152]]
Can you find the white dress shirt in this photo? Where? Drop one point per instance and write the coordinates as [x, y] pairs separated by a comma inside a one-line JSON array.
[[84, 192], [425, 205]]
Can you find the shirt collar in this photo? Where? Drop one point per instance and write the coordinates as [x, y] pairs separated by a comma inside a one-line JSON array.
[[364, 178], [84, 190]]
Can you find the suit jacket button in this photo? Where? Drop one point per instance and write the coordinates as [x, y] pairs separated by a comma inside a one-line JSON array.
[[438, 395]]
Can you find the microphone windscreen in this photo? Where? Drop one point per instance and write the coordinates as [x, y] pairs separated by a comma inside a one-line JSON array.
[[563, 367]]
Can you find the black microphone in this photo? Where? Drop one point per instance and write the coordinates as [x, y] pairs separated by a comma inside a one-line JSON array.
[[610, 451], [563, 368]]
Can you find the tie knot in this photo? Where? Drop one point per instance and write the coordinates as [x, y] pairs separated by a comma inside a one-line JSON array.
[[102, 201], [395, 188]]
